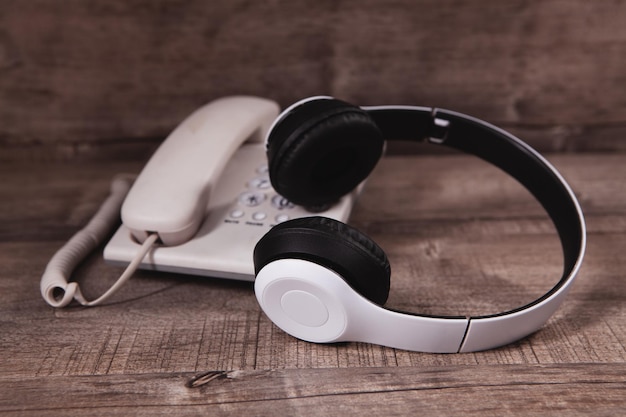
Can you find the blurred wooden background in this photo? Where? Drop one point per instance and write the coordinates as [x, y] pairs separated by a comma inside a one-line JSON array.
[[88, 88], [95, 79]]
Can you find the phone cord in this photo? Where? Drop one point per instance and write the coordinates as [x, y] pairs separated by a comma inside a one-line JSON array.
[[55, 286]]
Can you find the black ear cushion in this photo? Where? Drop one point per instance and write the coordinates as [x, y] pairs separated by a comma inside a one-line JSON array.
[[322, 150], [334, 245]]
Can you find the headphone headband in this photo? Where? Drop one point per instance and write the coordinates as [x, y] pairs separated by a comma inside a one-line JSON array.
[[526, 165]]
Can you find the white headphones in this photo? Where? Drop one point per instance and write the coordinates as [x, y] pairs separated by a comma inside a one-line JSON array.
[[323, 281]]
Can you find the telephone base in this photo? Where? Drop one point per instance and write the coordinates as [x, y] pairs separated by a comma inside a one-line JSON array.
[[243, 207]]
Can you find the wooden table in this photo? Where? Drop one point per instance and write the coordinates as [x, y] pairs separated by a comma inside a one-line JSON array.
[[461, 237]]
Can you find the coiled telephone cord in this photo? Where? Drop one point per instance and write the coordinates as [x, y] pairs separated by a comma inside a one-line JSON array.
[[56, 287]]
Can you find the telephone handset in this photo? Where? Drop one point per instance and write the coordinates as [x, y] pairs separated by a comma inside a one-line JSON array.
[[199, 206], [170, 195]]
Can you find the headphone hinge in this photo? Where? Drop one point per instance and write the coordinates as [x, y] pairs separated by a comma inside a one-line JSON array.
[[438, 130]]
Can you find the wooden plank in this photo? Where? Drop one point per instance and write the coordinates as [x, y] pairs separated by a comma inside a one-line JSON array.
[[494, 390], [81, 77]]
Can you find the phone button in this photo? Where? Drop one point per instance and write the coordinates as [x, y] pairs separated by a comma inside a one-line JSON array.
[[281, 218], [251, 199], [259, 215], [281, 203], [237, 214], [261, 183]]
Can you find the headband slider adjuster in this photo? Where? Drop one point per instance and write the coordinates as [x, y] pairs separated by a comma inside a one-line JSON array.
[[438, 130]]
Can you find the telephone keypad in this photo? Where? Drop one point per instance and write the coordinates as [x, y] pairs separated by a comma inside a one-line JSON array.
[[267, 204]]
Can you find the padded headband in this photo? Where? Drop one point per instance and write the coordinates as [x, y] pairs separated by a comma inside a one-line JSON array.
[[523, 163]]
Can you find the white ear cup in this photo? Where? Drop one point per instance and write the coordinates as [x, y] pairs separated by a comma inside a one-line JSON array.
[[313, 303], [304, 299]]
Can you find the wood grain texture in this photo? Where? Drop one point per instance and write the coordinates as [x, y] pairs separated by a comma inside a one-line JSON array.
[[461, 237], [83, 79], [504, 390]]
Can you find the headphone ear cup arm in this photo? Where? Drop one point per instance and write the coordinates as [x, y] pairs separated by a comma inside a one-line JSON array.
[[315, 304]]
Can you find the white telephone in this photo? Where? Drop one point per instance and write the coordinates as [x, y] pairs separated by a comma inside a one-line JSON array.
[[199, 205]]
